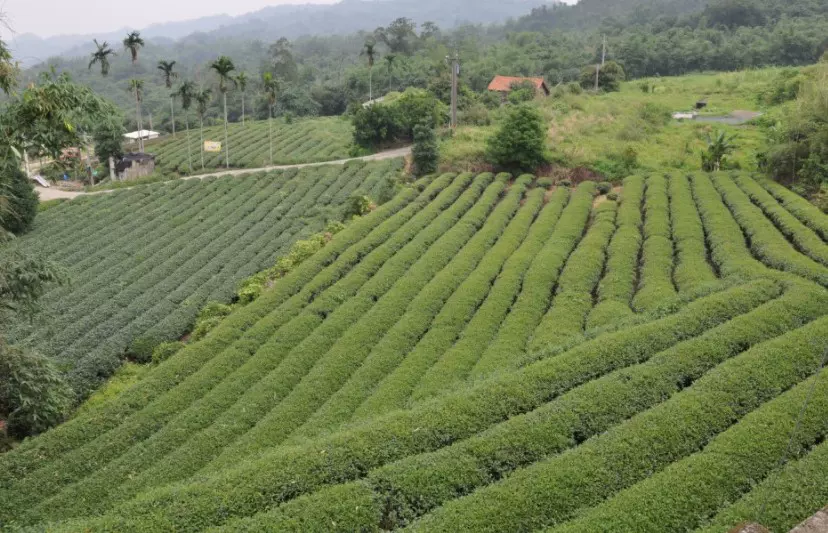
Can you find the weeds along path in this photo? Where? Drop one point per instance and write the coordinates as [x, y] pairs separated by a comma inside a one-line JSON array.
[[479, 354]]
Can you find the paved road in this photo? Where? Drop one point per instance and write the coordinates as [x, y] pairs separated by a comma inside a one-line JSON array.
[[52, 194]]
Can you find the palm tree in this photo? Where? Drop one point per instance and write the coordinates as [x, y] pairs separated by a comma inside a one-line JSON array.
[[133, 42], [167, 72], [390, 60], [186, 91], [136, 87], [270, 86], [370, 51], [101, 55], [202, 99], [241, 83], [223, 66]]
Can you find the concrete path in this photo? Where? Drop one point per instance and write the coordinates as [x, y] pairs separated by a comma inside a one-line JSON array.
[[53, 194]]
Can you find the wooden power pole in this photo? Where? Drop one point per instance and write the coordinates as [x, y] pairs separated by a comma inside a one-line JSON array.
[[455, 73], [603, 60]]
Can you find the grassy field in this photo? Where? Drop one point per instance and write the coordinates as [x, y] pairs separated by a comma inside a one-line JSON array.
[[481, 353], [305, 141], [587, 130], [143, 262]]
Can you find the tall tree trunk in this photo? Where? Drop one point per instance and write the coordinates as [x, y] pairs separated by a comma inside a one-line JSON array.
[[201, 118], [370, 84], [138, 122], [242, 109], [226, 143], [189, 148], [270, 132], [172, 113]]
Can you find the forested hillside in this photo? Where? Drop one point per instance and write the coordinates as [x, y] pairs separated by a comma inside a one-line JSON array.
[[323, 74]]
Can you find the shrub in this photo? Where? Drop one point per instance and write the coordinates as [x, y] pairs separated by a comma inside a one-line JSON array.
[[574, 88], [565, 183], [425, 153], [165, 350], [522, 92], [358, 205], [654, 114], [210, 316], [604, 187], [33, 394], [612, 196], [476, 115], [609, 79], [618, 166], [520, 143], [545, 183]]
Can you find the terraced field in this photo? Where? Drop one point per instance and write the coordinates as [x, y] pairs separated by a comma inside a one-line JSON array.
[[143, 262], [481, 354], [307, 141]]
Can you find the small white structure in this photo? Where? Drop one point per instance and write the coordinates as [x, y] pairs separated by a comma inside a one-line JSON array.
[[369, 103], [685, 116], [134, 136]]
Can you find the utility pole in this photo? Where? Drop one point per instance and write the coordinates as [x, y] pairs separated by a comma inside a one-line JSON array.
[[603, 60], [455, 72]]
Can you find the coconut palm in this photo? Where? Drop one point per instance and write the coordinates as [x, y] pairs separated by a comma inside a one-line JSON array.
[[270, 86], [370, 51], [186, 92], [136, 87], [390, 60], [241, 83], [223, 67], [133, 42], [203, 99], [101, 56], [168, 74]]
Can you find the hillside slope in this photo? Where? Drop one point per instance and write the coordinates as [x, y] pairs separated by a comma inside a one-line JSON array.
[[484, 354], [144, 261]]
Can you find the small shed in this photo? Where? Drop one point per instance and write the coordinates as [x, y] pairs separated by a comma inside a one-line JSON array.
[[134, 136], [135, 165], [504, 84]]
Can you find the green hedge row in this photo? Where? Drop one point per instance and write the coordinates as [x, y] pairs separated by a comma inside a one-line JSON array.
[[765, 240], [244, 331], [804, 238], [692, 265], [350, 349], [416, 485], [536, 292], [285, 473], [788, 496], [456, 363], [556, 490], [725, 238], [805, 211], [573, 298], [379, 388], [656, 268], [686, 492], [616, 289], [211, 393]]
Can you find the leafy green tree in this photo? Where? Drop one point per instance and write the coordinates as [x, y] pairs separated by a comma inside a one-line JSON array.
[[108, 138], [187, 91], [425, 153], [19, 199], [223, 67], [169, 74], [369, 50], [270, 88], [609, 79], [522, 92], [520, 143], [241, 83], [282, 63], [133, 44], [101, 57], [719, 146], [202, 99], [398, 36]]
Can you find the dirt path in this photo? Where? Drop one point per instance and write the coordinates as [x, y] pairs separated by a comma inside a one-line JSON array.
[[53, 194]]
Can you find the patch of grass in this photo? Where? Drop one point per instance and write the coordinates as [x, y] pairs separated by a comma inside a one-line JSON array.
[[128, 375]]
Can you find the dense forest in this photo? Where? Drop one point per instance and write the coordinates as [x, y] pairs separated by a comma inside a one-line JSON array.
[[321, 75]]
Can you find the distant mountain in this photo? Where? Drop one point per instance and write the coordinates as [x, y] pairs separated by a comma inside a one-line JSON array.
[[291, 21]]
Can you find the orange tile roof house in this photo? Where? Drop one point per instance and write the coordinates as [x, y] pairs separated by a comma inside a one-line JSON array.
[[503, 84]]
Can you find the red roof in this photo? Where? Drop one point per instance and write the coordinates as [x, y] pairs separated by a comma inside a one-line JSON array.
[[504, 83]]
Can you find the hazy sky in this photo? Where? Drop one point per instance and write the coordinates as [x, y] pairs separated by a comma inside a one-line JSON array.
[[66, 17]]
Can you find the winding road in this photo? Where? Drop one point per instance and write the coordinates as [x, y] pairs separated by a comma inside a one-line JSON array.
[[54, 194]]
